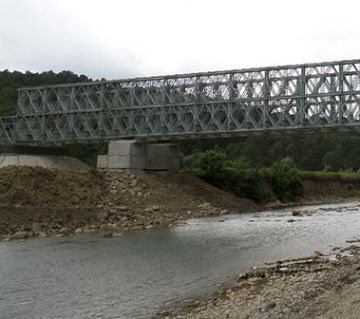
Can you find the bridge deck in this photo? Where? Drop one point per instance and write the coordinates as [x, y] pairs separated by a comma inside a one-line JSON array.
[[293, 98]]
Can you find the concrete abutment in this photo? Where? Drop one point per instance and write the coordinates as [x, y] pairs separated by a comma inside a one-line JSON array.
[[35, 156], [135, 156]]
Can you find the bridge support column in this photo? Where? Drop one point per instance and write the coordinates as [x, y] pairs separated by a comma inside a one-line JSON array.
[[134, 156]]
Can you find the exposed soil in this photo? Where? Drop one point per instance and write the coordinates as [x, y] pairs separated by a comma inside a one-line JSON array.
[[38, 187], [38, 201], [177, 196], [313, 189], [303, 288]]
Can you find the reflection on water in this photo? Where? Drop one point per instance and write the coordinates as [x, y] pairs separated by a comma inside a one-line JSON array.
[[134, 275]]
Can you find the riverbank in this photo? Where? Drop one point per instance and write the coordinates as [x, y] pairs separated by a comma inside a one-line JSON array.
[[47, 202], [302, 288]]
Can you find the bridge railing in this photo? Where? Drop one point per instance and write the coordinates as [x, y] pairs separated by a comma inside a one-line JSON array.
[[226, 102]]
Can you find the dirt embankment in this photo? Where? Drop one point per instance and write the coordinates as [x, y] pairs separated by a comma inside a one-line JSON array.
[[326, 189], [38, 187], [304, 288], [319, 190], [37, 201]]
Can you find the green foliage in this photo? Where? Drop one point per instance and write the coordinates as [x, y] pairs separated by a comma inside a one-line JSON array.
[[286, 181], [311, 152], [211, 166], [245, 181], [87, 152], [235, 176], [332, 160]]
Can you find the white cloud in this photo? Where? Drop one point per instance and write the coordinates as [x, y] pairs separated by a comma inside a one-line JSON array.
[[116, 39]]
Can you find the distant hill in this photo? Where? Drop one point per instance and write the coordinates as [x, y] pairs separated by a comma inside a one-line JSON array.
[[11, 81]]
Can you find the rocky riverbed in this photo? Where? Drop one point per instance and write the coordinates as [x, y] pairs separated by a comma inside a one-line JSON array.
[[303, 288]]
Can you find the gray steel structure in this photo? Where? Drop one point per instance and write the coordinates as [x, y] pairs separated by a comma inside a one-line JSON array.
[[214, 104]]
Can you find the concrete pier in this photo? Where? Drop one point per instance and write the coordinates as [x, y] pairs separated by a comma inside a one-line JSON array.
[[130, 155]]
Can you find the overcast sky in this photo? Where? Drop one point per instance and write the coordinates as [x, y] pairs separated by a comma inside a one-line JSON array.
[[117, 39]]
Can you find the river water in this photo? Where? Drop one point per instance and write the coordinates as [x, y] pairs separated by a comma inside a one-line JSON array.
[[135, 275]]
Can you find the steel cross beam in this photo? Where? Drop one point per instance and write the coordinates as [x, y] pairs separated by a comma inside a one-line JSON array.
[[291, 98]]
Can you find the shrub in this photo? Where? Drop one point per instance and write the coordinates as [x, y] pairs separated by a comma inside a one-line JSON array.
[[211, 166], [247, 182], [286, 181], [235, 176]]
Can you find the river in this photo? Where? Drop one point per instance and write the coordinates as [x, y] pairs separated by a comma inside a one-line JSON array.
[[136, 274]]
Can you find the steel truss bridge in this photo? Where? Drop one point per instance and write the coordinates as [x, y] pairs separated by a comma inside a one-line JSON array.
[[291, 98]]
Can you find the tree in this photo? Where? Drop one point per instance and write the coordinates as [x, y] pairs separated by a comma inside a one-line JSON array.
[[286, 180]]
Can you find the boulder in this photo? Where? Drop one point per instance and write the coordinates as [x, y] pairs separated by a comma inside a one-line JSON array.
[[64, 230], [108, 235], [298, 213], [21, 235]]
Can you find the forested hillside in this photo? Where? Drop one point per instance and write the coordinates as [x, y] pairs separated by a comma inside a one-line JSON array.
[[11, 81], [315, 152], [333, 152]]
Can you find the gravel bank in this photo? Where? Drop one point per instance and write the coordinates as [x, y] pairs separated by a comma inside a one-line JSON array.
[[304, 288]]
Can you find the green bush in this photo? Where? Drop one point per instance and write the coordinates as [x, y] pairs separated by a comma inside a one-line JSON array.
[[286, 181], [211, 166], [245, 181], [235, 176]]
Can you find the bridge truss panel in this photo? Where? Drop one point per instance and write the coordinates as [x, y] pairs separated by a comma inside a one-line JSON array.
[[274, 99]]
